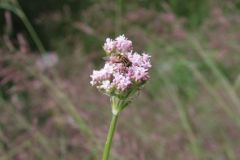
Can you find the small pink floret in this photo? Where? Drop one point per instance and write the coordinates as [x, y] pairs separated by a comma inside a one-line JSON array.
[[110, 45], [121, 82], [120, 44], [138, 73], [123, 45]]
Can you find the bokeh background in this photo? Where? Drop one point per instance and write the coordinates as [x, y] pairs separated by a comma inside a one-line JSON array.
[[189, 110]]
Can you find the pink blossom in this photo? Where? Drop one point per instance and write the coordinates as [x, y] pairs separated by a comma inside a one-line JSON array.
[[109, 46], [99, 76], [140, 60], [109, 68], [146, 61], [121, 82], [123, 45], [120, 44], [137, 73], [106, 85]]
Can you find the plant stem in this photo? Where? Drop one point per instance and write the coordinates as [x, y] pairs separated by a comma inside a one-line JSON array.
[[110, 135], [118, 18], [17, 9], [30, 29], [33, 33]]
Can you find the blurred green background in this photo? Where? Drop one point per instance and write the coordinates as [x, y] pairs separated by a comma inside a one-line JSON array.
[[189, 110]]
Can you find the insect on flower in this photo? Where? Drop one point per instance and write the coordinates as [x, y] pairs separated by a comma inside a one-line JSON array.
[[119, 58]]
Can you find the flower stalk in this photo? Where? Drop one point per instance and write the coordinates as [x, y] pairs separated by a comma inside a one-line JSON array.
[[117, 106], [122, 76], [110, 136]]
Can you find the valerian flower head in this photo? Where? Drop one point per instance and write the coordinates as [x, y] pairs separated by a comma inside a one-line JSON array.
[[118, 80]]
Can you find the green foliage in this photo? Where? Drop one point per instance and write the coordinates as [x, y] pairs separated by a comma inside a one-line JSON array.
[[195, 11], [36, 8], [183, 78]]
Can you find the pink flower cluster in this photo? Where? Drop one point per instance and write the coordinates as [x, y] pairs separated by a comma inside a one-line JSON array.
[[118, 77], [120, 44]]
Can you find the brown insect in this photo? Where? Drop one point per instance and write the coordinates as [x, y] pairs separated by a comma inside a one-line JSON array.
[[119, 58]]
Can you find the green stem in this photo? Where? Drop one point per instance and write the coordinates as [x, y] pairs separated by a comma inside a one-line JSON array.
[[118, 18], [111, 131], [17, 9], [30, 29], [33, 33]]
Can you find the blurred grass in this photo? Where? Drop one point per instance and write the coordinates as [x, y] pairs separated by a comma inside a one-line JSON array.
[[185, 120], [23, 123], [192, 99]]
